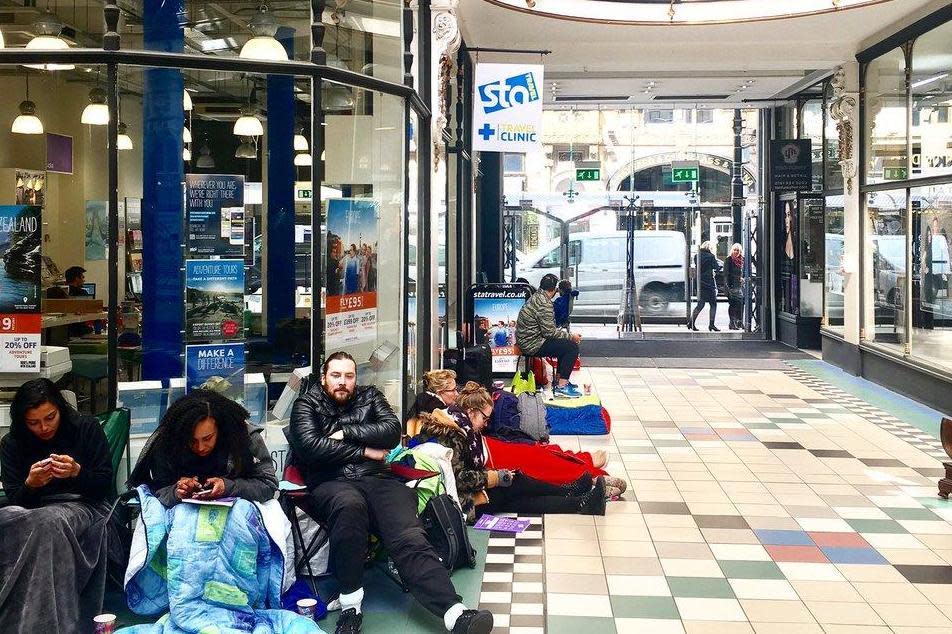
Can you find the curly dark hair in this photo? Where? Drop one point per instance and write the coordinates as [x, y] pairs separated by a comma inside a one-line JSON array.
[[172, 440], [32, 394]]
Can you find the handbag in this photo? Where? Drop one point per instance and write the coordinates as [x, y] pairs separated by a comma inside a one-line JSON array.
[[523, 382]]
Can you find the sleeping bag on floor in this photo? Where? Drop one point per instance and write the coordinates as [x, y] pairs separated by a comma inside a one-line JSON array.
[[211, 569], [583, 416]]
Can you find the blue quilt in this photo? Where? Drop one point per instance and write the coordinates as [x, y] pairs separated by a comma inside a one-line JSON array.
[[211, 570]]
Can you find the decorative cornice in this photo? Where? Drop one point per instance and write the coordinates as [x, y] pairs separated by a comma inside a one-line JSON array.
[[843, 111]]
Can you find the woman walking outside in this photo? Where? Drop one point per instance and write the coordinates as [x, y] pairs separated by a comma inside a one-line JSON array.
[[734, 275], [707, 267]]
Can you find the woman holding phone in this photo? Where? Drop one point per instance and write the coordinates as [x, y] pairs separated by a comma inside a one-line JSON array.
[[205, 449], [58, 479]]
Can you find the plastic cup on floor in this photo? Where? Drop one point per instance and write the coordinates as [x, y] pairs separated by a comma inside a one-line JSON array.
[[307, 607], [105, 623]]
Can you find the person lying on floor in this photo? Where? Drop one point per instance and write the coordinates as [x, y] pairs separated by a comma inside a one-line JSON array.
[[58, 478], [206, 484], [340, 436], [540, 461], [486, 490]]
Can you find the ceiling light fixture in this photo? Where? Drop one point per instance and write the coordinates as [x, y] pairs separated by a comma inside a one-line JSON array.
[[96, 111], [27, 122], [205, 160], [263, 46], [47, 29], [247, 149], [186, 101], [303, 159], [248, 124], [123, 141], [300, 141], [186, 155], [186, 135]]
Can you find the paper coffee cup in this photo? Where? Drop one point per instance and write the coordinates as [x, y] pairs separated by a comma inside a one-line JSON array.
[[307, 607], [105, 623]]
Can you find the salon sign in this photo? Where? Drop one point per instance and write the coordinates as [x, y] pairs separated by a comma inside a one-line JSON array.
[[507, 115]]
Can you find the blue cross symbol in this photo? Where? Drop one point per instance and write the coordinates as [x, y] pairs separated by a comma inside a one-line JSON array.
[[486, 131]]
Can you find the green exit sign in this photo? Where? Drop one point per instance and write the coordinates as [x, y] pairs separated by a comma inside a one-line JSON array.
[[304, 193], [588, 175], [894, 173], [684, 174]]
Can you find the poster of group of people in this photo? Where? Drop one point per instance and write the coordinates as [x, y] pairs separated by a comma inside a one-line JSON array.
[[352, 226], [495, 309], [215, 284], [20, 317]]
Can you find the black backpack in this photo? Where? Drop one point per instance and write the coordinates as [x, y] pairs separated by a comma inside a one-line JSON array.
[[445, 529]]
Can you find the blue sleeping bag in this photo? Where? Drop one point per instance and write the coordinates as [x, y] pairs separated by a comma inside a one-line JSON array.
[[580, 420]]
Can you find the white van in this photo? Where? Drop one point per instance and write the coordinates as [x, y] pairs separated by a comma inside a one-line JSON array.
[[600, 271]]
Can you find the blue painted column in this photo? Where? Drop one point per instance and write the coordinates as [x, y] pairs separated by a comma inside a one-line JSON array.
[[281, 176], [162, 178]]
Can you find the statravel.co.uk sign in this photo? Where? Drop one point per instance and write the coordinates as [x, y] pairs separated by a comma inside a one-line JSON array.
[[507, 116]]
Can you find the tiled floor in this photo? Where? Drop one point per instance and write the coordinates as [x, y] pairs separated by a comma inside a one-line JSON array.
[[759, 501]]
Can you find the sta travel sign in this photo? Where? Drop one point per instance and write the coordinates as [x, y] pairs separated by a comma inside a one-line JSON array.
[[507, 116]]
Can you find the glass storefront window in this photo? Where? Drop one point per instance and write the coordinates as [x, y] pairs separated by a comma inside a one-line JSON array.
[[833, 178], [886, 267], [835, 280], [932, 275], [812, 128], [886, 134], [932, 103]]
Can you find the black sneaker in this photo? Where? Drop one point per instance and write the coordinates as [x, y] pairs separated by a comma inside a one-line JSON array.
[[593, 502], [474, 622], [349, 622], [580, 487]]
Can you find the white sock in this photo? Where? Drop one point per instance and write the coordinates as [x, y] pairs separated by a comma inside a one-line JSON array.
[[352, 600], [449, 619]]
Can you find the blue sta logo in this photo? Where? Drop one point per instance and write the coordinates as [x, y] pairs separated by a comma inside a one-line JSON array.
[[515, 91]]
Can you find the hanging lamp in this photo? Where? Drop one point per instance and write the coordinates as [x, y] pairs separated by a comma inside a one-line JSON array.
[[186, 101], [300, 141], [186, 135], [27, 122], [263, 46], [303, 159], [47, 29], [248, 124], [205, 160], [247, 149], [186, 155], [123, 141], [96, 111]]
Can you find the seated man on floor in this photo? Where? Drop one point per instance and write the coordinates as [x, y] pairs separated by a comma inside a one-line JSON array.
[[538, 336], [340, 436]]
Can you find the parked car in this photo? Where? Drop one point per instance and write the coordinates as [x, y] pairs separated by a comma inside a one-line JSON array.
[[600, 270]]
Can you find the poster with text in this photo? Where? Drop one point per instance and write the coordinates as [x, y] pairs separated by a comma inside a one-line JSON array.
[[20, 320], [97, 230], [216, 214], [351, 272], [495, 309], [214, 299], [216, 367]]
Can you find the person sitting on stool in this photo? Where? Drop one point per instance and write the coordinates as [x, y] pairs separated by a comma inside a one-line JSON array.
[[75, 278], [538, 336]]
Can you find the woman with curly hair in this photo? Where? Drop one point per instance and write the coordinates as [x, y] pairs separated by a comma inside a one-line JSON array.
[[205, 449], [485, 489]]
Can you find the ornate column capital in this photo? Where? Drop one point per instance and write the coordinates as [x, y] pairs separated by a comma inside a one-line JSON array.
[[843, 110], [446, 39]]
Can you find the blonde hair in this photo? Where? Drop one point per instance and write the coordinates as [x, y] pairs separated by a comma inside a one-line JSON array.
[[705, 246], [473, 396], [737, 246], [439, 380]]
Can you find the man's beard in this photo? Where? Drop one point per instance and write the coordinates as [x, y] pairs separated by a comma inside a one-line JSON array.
[[341, 395]]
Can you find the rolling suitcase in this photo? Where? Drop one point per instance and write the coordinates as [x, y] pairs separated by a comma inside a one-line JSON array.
[[470, 364]]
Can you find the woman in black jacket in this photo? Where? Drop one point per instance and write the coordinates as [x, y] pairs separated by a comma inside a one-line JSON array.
[[734, 276], [707, 267], [205, 449], [57, 474]]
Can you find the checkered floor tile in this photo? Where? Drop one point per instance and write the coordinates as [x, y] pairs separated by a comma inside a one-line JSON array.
[[758, 501]]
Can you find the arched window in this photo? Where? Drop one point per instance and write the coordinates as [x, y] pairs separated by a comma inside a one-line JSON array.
[[714, 186]]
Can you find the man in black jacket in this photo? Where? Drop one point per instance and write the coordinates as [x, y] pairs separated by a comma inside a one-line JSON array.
[[340, 436]]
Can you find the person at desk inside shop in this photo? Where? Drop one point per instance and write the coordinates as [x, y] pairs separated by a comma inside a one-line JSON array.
[[75, 278]]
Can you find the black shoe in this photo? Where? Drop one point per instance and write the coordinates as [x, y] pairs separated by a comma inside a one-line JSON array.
[[692, 327], [349, 622], [713, 328], [474, 622], [593, 502], [580, 487]]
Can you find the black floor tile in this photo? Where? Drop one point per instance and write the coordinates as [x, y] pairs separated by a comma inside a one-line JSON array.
[[664, 508], [831, 453], [926, 574], [783, 445]]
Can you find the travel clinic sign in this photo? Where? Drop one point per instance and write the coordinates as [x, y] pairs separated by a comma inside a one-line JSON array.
[[507, 116]]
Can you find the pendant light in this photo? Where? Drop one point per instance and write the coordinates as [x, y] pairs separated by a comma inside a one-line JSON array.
[[205, 160], [186, 135], [47, 29], [247, 149], [300, 141], [263, 46], [186, 101], [248, 124], [96, 112], [303, 159], [27, 122], [186, 155], [123, 141], [2, 44]]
